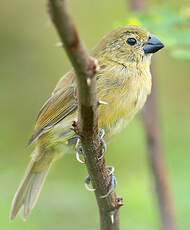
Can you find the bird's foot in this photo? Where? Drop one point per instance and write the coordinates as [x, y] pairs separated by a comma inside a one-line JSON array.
[[112, 183], [103, 143], [80, 150]]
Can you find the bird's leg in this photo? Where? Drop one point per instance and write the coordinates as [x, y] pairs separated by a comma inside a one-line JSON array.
[[112, 183], [103, 143]]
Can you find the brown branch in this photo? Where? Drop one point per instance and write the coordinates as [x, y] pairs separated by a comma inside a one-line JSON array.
[[87, 126], [156, 159], [155, 147], [137, 5]]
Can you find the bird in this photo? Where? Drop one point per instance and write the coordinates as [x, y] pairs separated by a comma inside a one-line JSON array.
[[123, 82]]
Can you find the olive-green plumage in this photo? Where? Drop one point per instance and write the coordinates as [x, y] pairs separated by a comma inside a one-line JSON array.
[[124, 81]]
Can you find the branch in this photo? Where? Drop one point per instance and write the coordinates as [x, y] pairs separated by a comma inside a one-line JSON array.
[[85, 68], [155, 147], [156, 159], [137, 5]]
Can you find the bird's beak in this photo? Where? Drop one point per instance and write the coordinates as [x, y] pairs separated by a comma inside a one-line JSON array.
[[153, 44]]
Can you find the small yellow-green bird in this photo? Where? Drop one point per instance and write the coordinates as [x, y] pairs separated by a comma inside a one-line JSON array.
[[124, 81]]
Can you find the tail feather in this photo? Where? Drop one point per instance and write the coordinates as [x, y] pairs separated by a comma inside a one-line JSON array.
[[28, 192]]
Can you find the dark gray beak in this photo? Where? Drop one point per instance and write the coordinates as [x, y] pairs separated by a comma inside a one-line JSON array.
[[153, 44]]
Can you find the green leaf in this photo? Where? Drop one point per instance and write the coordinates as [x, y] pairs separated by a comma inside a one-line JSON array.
[[169, 25]]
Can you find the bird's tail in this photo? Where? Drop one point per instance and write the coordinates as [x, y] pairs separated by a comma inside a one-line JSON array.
[[29, 190]]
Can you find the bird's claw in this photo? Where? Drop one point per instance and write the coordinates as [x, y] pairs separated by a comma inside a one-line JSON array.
[[112, 183], [78, 153], [103, 143], [110, 169], [86, 183]]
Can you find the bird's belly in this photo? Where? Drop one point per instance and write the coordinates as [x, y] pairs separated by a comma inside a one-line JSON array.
[[122, 119]]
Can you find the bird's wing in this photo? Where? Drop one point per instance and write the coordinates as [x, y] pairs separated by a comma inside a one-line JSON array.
[[61, 104], [67, 80]]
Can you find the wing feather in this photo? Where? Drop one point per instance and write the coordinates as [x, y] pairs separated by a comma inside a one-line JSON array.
[[57, 107]]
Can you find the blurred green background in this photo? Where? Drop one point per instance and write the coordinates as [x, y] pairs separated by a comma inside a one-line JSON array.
[[30, 66]]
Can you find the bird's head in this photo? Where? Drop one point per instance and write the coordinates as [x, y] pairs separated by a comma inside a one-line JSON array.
[[128, 44]]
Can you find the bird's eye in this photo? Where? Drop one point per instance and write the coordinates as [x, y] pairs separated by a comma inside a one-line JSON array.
[[131, 41]]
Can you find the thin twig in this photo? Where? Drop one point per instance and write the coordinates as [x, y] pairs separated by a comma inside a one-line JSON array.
[[87, 125]]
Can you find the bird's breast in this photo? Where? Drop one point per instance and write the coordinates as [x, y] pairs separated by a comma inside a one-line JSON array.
[[123, 103]]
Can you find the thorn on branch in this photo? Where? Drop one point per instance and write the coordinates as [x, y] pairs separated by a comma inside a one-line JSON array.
[[88, 81], [102, 102], [112, 216], [59, 44]]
